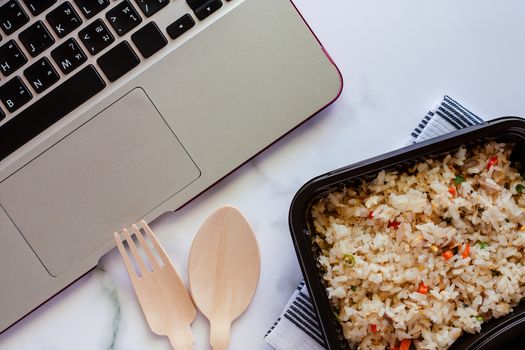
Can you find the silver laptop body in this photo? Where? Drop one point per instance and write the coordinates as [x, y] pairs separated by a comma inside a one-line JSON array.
[[139, 125]]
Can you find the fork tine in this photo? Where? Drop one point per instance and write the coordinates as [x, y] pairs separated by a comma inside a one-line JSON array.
[[127, 262], [153, 261], [135, 253], [158, 247]]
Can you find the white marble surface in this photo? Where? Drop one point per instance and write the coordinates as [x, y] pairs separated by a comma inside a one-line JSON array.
[[398, 59]]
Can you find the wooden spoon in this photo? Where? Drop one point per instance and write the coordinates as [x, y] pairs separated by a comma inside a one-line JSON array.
[[224, 267]]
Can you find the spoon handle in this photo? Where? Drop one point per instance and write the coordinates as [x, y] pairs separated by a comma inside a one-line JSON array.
[[220, 334], [182, 339]]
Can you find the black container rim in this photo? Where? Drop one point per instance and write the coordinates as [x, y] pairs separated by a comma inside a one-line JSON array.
[[512, 324]]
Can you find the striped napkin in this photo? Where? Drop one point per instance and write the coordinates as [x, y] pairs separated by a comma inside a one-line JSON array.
[[297, 327]]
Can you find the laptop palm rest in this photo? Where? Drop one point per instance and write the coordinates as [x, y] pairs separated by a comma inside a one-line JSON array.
[[85, 182]]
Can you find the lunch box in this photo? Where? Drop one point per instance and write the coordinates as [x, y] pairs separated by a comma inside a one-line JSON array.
[[506, 332]]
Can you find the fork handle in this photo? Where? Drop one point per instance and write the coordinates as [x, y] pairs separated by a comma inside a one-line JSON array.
[[182, 339]]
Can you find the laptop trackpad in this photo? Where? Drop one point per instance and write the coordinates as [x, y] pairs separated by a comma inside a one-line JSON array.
[[107, 174]]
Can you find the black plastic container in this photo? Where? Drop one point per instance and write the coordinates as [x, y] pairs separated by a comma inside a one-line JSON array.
[[506, 332]]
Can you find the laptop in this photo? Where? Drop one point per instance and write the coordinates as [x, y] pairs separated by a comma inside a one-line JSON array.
[[114, 111]]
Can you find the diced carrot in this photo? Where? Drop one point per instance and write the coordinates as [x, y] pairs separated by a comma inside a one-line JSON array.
[[423, 289], [447, 255], [395, 347], [371, 215], [405, 344], [452, 190], [492, 161], [466, 252], [373, 328]]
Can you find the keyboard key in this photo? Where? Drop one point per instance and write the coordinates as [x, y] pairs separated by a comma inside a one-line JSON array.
[[180, 26], [52, 107], [68, 56], [123, 17], [38, 6], [149, 39], [41, 75], [118, 61], [36, 38], [63, 19], [11, 58], [12, 17], [14, 94], [195, 3], [149, 7], [2, 115], [96, 37], [207, 8], [91, 7]]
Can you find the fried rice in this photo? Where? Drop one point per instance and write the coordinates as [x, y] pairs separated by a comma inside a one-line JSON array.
[[415, 258]]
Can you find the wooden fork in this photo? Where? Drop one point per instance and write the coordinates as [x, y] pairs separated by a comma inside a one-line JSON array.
[[165, 301]]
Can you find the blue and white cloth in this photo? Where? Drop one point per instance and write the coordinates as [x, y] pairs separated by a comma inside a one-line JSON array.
[[297, 328]]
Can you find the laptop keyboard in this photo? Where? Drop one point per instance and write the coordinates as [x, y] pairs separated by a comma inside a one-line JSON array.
[[51, 82]]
